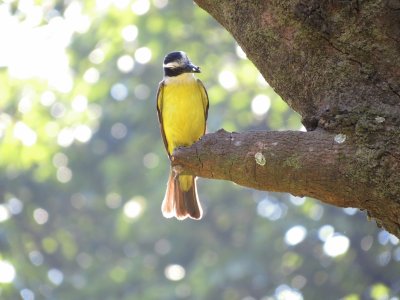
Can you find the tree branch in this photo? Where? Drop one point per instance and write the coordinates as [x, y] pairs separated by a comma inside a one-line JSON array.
[[301, 163], [318, 164]]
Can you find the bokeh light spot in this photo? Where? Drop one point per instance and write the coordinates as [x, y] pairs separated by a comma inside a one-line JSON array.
[[125, 63], [119, 131], [5, 122], [298, 201], [380, 291], [228, 80], [79, 103], [160, 3], [384, 258], [25, 105], [15, 206], [129, 33], [7, 272], [41, 216], [295, 235], [174, 272], [113, 200], [55, 276], [57, 110], [151, 160], [25, 134], [119, 91], [64, 174], [60, 160], [82, 133], [134, 207], [47, 98], [350, 211], [91, 75], [143, 55], [284, 292], [4, 213], [97, 56], [65, 137], [366, 242], [36, 257], [325, 232], [271, 209], [27, 294], [336, 245], [260, 105], [140, 7]]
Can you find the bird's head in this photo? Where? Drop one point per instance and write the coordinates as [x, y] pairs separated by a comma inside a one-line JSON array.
[[177, 63]]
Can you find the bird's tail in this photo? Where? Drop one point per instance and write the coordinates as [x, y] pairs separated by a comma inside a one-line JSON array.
[[181, 200]]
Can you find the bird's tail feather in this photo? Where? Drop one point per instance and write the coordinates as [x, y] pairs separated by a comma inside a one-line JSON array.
[[181, 200]]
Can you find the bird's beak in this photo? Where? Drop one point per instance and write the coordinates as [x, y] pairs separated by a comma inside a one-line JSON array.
[[191, 68]]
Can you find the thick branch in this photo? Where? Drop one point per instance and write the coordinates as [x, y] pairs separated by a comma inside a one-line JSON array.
[[303, 164], [322, 165]]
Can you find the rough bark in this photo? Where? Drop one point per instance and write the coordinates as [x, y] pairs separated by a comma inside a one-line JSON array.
[[337, 63]]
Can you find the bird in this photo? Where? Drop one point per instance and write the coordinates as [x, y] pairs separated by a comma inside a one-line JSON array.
[[182, 109]]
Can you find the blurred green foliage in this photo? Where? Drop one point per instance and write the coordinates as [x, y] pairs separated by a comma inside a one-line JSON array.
[[83, 170]]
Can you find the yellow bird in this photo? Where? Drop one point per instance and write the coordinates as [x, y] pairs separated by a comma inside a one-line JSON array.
[[182, 107]]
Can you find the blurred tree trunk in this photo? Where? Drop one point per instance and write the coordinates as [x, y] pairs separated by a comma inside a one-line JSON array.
[[337, 63]]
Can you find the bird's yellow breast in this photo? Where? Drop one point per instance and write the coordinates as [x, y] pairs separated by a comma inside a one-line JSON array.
[[183, 111]]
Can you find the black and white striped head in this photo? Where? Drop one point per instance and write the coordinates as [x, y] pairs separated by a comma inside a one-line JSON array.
[[177, 63]]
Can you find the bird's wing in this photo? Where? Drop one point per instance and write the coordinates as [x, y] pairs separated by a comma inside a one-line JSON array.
[[204, 98], [160, 94]]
